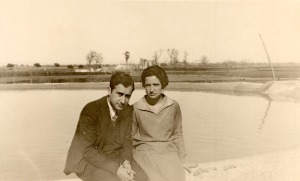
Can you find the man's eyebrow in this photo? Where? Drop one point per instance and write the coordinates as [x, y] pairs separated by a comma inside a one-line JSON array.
[[122, 93]]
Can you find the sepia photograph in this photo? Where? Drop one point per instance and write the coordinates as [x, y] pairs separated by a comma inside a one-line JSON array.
[[132, 90]]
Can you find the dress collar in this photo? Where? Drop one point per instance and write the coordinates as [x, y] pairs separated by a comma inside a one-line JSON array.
[[164, 103]]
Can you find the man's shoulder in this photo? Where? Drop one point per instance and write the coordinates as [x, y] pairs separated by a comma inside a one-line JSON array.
[[96, 104]]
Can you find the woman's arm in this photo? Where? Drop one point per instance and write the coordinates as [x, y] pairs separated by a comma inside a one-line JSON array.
[[134, 125], [178, 134]]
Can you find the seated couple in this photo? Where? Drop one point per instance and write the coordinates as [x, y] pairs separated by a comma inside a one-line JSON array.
[[115, 141]]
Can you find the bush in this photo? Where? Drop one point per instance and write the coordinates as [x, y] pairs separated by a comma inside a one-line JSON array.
[[37, 65], [10, 65]]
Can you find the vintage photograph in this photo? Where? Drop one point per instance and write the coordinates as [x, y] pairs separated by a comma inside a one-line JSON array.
[[133, 90]]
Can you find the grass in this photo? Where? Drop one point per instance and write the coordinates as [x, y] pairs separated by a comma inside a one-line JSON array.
[[210, 74]]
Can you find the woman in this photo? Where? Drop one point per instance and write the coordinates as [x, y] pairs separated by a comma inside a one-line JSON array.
[[157, 130]]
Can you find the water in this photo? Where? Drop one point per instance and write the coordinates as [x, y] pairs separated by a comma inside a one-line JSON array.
[[37, 127]]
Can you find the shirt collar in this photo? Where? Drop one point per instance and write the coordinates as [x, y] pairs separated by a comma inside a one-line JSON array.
[[112, 112]]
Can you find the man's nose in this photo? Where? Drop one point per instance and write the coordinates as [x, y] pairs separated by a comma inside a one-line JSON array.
[[123, 98]]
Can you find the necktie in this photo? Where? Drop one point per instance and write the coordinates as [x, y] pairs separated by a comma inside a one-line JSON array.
[[114, 120]]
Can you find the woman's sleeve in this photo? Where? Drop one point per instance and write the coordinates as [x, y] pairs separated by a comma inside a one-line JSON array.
[[134, 125], [178, 134]]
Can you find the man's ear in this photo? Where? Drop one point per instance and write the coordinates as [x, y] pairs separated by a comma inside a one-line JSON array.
[[108, 90]]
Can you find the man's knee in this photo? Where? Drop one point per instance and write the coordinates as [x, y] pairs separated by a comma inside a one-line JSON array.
[[92, 173]]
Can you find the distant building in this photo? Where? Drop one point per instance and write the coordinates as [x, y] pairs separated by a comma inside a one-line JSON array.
[[144, 63], [124, 67], [96, 69]]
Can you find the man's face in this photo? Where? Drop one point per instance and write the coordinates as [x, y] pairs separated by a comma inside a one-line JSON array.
[[119, 96], [153, 87]]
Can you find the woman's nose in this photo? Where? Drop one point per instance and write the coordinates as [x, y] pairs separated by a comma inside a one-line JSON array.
[[151, 88]]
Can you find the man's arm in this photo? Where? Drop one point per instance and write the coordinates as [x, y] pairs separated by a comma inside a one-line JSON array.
[[91, 153]]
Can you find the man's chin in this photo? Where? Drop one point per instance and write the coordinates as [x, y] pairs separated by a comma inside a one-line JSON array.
[[120, 108]]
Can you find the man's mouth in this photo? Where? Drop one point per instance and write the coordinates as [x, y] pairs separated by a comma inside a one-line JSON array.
[[120, 106]]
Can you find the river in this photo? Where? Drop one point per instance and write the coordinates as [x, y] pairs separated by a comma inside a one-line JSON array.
[[37, 127]]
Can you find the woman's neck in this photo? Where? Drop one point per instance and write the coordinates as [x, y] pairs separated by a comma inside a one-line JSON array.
[[151, 101]]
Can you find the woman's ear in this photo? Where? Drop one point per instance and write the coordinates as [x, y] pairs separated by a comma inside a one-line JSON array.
[[108, 90]]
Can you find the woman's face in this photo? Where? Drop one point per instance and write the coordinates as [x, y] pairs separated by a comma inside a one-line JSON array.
[[153, 87]]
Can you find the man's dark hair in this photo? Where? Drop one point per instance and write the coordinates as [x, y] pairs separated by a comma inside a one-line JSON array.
[[156, 71], [121, 78]]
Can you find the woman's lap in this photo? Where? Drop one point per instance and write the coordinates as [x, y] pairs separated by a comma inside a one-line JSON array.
[[163, 166]]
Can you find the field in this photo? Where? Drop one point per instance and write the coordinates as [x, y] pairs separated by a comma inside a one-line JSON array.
[[260, 73]]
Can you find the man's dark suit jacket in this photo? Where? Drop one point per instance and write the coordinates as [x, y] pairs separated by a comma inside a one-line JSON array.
[[89, 139]]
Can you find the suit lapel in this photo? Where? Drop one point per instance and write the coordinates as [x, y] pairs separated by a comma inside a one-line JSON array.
[[123, 120], [103, 119]]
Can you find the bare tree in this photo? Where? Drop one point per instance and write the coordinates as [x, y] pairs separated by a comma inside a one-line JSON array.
[[173, 54], [229, 64], [93, 56], [243, 63], [204, 60], [185, 54], [156, 55]]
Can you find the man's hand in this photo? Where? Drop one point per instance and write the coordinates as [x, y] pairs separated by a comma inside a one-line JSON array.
[[122, 173]]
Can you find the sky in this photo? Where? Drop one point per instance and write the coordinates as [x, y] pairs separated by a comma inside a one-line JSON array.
[[64, 31]]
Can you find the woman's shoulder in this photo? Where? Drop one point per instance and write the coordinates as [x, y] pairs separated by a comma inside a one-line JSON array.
[[139, 102], [170, 100]]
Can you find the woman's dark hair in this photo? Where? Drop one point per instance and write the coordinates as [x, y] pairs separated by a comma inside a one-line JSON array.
[[156, 71], [121, 78]]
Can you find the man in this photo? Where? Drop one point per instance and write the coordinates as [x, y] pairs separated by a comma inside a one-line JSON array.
[[102, 140]]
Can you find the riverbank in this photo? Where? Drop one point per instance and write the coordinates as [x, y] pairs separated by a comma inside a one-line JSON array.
[[278, 166], [173, 86], [279, 90]]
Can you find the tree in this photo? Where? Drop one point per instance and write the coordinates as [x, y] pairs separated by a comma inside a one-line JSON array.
[[70, 66], [95, 57], [204, 60], [80, 66], [56, 65], [243, 63], [185, 54], [10, 65], [156, 55], [37, 65], [229, 64], [173, 54], [127, 55]]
